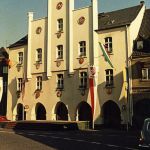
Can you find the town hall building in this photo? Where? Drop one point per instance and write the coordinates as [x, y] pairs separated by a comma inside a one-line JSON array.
[[73, 65]]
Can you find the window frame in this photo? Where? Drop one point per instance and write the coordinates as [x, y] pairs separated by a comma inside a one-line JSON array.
[[39, 82], [60, 24], [109, 78], [20, 58], [59, 51], [39, 55], [83, 80], [19, 84], [82, 48], [140, 43], [147, 73], [109, 44], [60, 81]]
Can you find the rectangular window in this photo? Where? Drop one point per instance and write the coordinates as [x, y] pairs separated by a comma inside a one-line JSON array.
[[145, 73], [60, 24], [39, 55], [83, 80], [139, 45], [20, 82], [20, 57], [5, 69], [60, 81], [82, 48], [109, 77], [39, 83], [108, 44], [60, 52]]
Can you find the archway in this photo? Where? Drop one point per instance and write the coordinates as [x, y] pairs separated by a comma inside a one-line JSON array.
[[61, 111], [84, 112], [111, 114], [40, 112], [141, 111], [19, 112]]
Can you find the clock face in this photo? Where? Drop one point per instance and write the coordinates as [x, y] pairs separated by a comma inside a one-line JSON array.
[[38, 30], [59, 5], [81, 20]]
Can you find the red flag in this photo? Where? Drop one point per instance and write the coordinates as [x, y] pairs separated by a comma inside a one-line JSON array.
[[91, 81]]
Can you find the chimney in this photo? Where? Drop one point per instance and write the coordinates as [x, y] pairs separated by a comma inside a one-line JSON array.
[[142, 2], [30, 19]]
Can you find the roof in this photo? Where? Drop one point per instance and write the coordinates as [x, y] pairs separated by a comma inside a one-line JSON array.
[[145, 27], [118, 18], [3, 53], [137, 54], [20, 42]]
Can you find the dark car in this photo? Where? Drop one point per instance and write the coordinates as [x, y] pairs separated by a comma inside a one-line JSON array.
[[145, 135]]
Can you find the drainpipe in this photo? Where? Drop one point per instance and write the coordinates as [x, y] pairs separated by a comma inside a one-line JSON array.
[[128, 74]]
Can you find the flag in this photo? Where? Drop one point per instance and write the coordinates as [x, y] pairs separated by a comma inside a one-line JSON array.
[[92, 71], [91, 82], [106, 55], [1, 88]]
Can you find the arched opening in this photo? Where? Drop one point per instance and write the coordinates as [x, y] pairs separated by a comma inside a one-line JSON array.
[[19, 112], [61, 111], [141, 111], [111, 114], [40, 112], [84, 112]]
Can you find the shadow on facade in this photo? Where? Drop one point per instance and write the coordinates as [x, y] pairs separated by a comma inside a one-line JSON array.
[[11, 88], [111, 100]]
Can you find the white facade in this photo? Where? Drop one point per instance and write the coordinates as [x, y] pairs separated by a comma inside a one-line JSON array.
[[62, 53]]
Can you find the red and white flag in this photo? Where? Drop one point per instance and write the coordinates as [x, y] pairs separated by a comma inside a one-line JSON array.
[[92, 71]]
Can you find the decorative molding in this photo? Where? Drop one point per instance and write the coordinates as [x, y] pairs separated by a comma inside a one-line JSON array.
[[81, 60], [38, 30], [109, 90], [37, 93], [58, 63], [81, 20], [59, 5], [19, 67], [59, 93]]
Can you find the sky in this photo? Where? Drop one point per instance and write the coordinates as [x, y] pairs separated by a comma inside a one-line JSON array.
[[13, 14]]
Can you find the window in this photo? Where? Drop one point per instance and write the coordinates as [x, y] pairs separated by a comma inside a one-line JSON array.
[[60, 24], [5, 69], [139, 45], [20, 57], [82, 48], [19, 86], [109, 77], [108, 44], [60, 81], [60, 52], [39, 55], [83, 80], [146, 73], [39, 83]]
